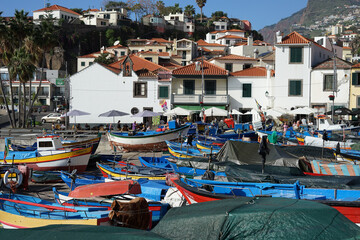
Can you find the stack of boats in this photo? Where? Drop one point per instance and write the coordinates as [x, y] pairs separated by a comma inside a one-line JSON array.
[[214, 175]]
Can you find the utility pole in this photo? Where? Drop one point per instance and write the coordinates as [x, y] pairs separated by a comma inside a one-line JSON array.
[[334, 83]]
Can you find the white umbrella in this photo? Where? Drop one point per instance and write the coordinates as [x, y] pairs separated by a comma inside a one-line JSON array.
[[273, 113], [113, 113], [216, 112], [301, 111], [75, 113], [178, 111], [146, 113], [235, 112]]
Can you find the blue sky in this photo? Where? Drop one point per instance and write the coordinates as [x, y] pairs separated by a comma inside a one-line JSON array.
[[259, 12]]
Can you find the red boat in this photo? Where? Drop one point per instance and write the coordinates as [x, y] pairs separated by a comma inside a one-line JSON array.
[[351, 210], [106, 189]]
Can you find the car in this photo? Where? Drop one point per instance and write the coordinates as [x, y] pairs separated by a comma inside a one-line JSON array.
[[53, 117]]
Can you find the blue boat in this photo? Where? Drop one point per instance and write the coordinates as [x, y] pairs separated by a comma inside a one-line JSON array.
[[157, 208], [21, 211], [156, 162], [189, 171], [154, 190]]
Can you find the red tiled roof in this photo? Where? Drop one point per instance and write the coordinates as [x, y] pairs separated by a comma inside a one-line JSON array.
[[348, 48], [164, 54], [93, 55], [232, 36], [203, 43], [295, 38], [160, 40], [148, 52], [138, 64], [235, 57], [57, 7], [329, 64], [252, 72], [114, 70], [117, 46], [356, 65], [209, 69], [224, 31]]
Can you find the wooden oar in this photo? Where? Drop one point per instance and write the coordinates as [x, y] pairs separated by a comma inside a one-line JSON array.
[[40, 205]]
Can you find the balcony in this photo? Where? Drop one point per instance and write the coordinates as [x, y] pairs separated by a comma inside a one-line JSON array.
[[195, 99]]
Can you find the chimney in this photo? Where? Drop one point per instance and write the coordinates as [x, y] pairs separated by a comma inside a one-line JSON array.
[[250, 41], [256, 53], [197, 66], [278, 37]]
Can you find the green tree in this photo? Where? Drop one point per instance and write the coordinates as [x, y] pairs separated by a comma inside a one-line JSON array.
[[77, 10], [189, 10], [105, 58], [111, 36], [116, 4], [162, 9], [176, 9], [217, 15], [201, 4], [355, 45]]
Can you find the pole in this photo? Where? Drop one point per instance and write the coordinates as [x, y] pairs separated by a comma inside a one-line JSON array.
[[333, 84], [202, 83]]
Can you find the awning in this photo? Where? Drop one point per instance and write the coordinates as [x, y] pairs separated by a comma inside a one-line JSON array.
[[197, 108]]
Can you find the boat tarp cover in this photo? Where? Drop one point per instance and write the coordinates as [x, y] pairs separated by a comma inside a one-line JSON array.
[[288, 175], [247, 153], [258, 218], [79, 232], [20, 155]]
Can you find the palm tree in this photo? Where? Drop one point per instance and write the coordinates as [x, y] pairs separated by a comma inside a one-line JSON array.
[[355, 45], [189, 10], [201, 4], [176, 9]]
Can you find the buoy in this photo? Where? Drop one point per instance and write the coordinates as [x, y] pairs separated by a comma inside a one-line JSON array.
[[8, 177]]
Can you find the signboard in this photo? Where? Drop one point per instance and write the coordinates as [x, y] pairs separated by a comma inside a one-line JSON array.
[[60, 81]]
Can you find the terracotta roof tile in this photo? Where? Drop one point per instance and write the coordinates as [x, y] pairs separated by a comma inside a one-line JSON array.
[[232, 36], [356, 65], [252, 72], [114, 70], [235, 57], [348, 48], [139, 63], [329, 64], [57, 7], [209, 69], [203, 43], [117, 46], [294, 38], [161, 40]]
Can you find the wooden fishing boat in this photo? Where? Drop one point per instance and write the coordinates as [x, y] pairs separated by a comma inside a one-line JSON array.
[[117, 173], [156, 162], [191, 172], [206, 146], [146, 141], [50, 155], [20, 211], [344, 200], [157, 208]]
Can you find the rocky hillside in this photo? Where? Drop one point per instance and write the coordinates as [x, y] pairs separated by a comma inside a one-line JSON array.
[[316, 18]]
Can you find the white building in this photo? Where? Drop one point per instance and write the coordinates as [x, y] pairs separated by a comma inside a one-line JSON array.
[[251, 48], [322, 77], [327, 43], [181, 22], [235, 63], [56, 12], [247, 85], [295, 57], [226, 37], [131, 85], [186, 49], [91, 17]]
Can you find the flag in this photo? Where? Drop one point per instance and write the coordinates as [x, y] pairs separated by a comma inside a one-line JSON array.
[[258, 105], [6, 151]]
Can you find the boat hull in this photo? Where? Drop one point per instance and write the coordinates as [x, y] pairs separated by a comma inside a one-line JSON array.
[[144, 143]]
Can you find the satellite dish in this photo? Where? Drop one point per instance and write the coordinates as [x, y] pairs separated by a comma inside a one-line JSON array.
[[117, 42]]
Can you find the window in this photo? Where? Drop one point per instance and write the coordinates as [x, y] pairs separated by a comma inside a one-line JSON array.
[[356, 78], [222, 27], [229, 67], [83, 64], [45, 144], [217, 28], [247, 65], [122, 53], [227, 42], [163, 92], [149, 59], [212, 37], [296, 54], [295, 88], [184, 55], [91, 63], [210, 87], [328, 82], [4, 76], [189, 87], [160, 50], [140, 89], [246, 90]]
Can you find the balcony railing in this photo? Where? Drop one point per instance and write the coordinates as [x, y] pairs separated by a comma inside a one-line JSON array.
[[195, 99]]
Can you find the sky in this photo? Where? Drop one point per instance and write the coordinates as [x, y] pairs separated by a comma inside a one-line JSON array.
[[260, 13]]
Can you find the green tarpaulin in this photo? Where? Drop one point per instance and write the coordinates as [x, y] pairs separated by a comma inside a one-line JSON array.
[[259, 218]]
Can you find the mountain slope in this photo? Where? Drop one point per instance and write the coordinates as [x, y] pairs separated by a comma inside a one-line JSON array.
[[313, 13]]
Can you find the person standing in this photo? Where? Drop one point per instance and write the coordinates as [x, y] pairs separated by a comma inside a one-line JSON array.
[[134, 126], [118, 125], [263, 151]]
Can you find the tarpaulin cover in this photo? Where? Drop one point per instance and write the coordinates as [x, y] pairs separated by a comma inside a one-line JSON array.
[[288, 175], [259, 218], [247, 153], [78, 232]]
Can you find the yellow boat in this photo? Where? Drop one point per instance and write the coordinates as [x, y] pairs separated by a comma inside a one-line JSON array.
[[106, 171]]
